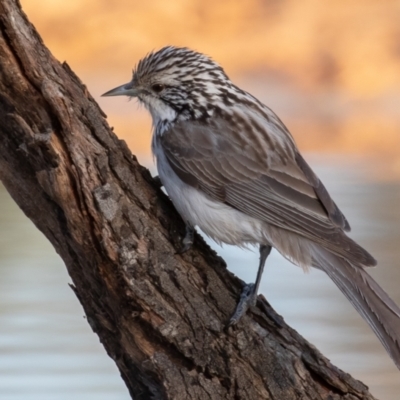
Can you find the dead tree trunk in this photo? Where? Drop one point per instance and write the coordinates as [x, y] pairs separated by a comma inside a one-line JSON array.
[[159, 315]]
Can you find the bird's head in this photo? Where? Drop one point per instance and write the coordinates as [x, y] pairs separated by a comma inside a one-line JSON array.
[[175, 83]]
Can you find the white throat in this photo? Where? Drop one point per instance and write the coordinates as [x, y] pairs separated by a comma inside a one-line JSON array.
[[160, 112]]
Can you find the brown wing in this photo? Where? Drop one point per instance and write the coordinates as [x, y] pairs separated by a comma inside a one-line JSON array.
[[270, 181]]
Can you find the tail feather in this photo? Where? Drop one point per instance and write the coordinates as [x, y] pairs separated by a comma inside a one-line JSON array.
[[368, 298]]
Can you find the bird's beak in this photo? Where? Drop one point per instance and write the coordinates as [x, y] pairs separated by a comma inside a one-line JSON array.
[[124, 90]]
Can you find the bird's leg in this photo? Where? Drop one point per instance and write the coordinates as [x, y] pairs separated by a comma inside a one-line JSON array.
[[249, 294], [264, 253], [187, 241]]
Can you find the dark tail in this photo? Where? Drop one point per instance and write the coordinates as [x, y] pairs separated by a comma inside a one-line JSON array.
[[368, 298]]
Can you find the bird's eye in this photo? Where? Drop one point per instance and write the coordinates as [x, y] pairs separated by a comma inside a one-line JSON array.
[[157, 87]]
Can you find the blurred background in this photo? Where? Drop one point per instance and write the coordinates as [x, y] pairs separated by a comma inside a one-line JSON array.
[[332, 74]]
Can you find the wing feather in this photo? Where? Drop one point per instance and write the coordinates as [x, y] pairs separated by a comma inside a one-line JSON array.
[[281, 190]]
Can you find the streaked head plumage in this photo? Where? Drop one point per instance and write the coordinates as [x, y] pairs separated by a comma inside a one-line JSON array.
[[175, 82], [182, 79], [180, 64]]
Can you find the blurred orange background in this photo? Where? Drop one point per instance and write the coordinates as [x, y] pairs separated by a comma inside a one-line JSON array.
[[331, 71]]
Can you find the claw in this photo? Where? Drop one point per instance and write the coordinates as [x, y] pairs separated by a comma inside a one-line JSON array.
[[248, 298], [188, 240]]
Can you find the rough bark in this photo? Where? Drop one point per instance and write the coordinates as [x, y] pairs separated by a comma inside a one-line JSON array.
[[160, 316]]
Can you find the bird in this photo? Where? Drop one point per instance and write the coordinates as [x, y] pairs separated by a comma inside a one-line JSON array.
[[231, 167]]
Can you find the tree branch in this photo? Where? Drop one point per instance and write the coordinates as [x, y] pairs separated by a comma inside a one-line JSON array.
[[160, 316]]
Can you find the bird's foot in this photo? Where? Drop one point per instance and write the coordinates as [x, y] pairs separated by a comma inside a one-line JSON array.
[[248, 298], [188, 240]]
